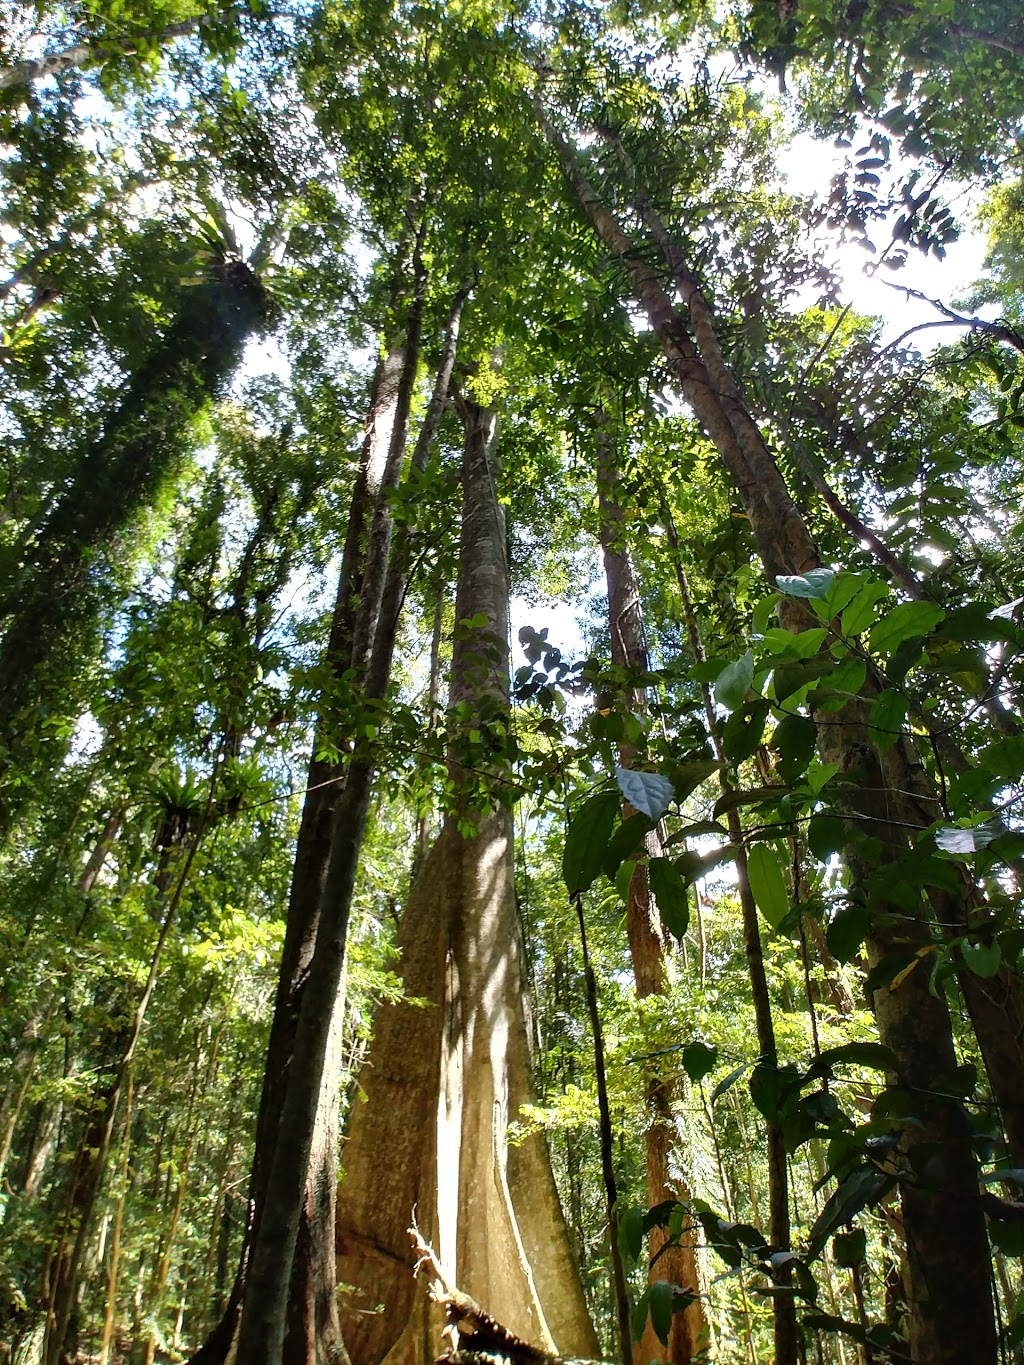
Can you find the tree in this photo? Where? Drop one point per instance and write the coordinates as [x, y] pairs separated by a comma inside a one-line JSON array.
[[461, 1073]]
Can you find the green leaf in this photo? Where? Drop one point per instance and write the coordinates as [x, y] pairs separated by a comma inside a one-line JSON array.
[[859, 1190], [849, 1248], [625, 841], [744, 730], [847, 932], [984, 959], [586, 842], [906, 622], [873, 1055], [859, 614], [1004, 758], [733, 682], [670, 893], [728, 1082], [794, 738], [755, 797], [768, 883], [1007, 1237], [771, 1086], [639, 1321], [659, 1296], [788, 678], [886, 718], [649, 793], [692, 865], [687, 777], [631, 1234], [698, 1060], [826, 834], [815, 583]]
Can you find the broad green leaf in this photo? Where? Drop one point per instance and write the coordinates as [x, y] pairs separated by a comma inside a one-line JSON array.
[[660, 1296], [768, 883], [755, 797], [861, 611], [1007, 1236], [692, 865], [846, 933], [744, 730], [687, 777], [733, 682], [842, 592], [849, 1248], [873, 1055], [908, 621], [794, 738], [803, 645], [789, 677], [886, 718], [728, 1082], [639, 1321], [814, 583], [984, 959], [826, 834], [625, 841], [649, 793], [631, 1234], [670, 893], [771, 1086], [586, 842], [1004, 758], [859, 1190], [698, 1060]]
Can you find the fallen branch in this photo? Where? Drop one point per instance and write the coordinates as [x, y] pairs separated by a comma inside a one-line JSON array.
[[471, 1335]]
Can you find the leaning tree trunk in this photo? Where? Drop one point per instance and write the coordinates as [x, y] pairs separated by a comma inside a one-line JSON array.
[[443, 1081], [51, 610], [950, 1311], [679, 1264]]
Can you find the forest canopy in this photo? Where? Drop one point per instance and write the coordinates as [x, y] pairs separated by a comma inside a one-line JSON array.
[[511, 753]]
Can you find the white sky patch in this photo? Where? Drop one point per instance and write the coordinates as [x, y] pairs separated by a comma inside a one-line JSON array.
[[807, 166]]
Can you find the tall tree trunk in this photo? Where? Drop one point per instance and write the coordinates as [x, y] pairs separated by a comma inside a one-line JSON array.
[[443, 1082], [679, 1265], [51, 609], [951, 1316], [312, 1331], [275, 1236]]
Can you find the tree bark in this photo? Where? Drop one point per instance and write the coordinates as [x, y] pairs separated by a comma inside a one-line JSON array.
[[80, 55], [679, 1265], [442, 1082], [265, 1297], [50, 611], [951, 1315]]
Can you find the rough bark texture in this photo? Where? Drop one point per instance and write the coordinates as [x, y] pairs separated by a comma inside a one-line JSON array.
[[950, 1312], [443, 1081], [324, 785], [266, 1298], [679, 1265]]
